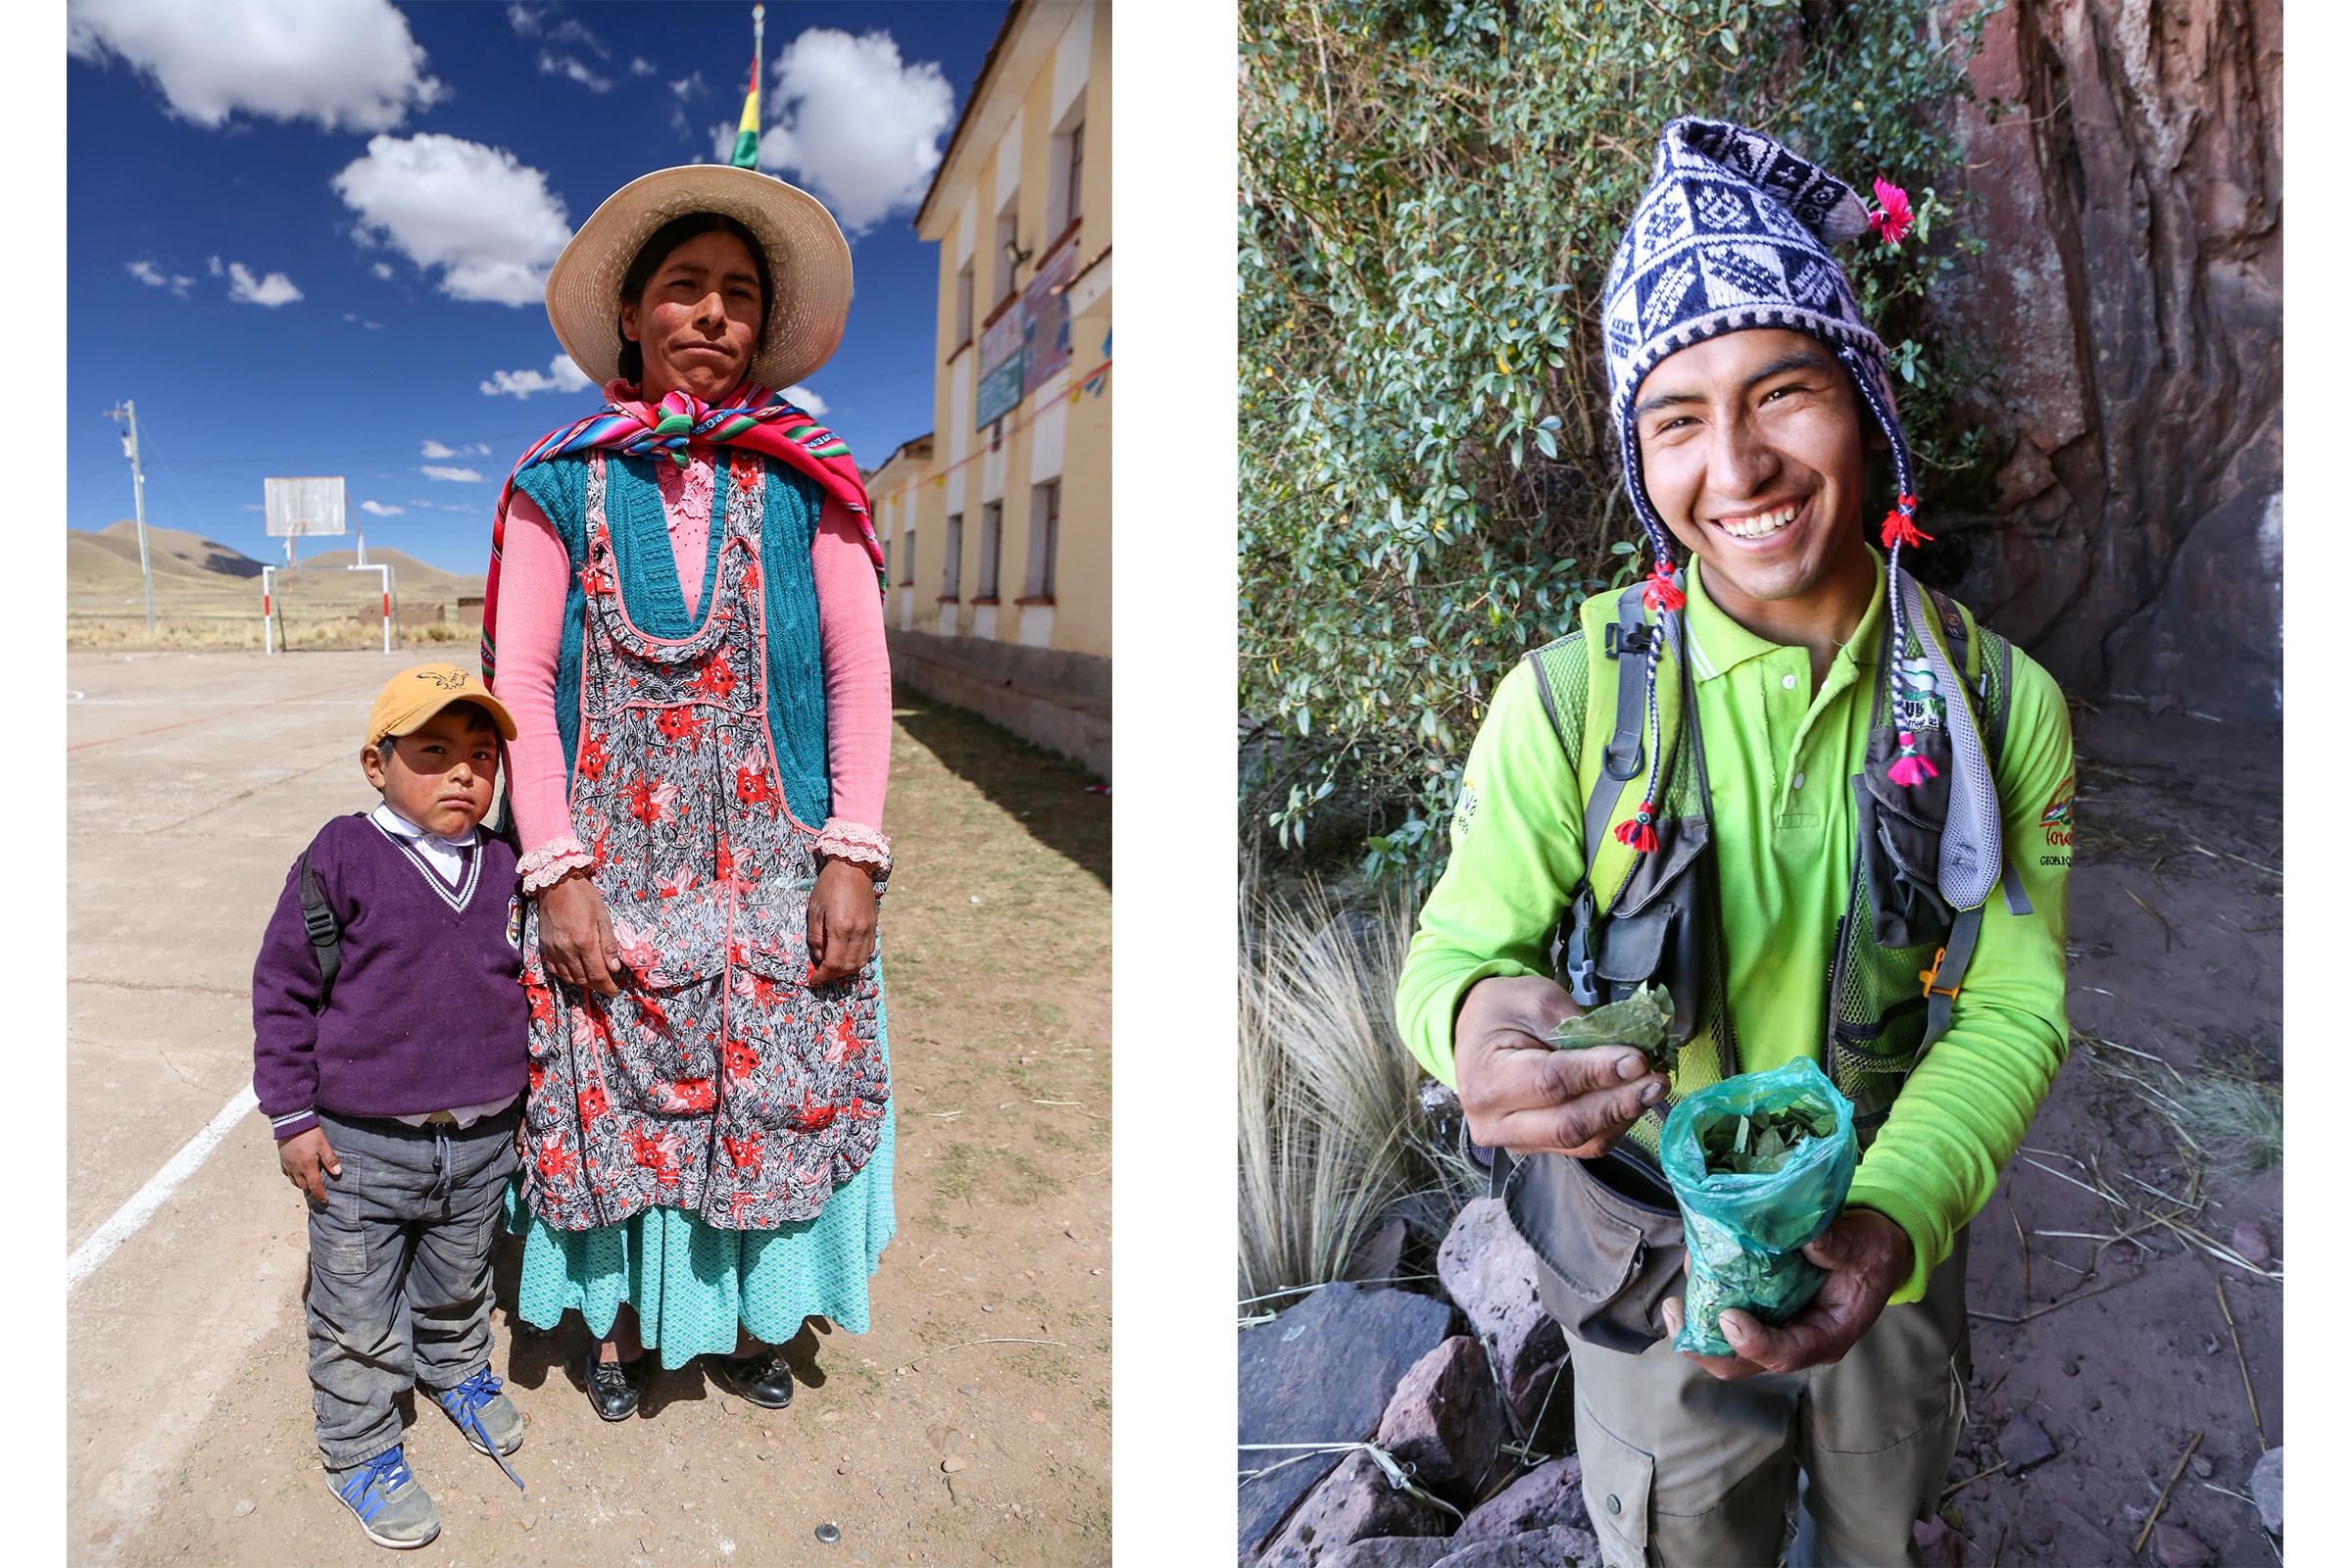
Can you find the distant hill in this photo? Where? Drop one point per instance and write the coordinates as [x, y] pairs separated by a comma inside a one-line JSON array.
[[172, 550], [414, 580], [107, 560]]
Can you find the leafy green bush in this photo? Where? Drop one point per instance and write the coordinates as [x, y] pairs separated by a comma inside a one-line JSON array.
[[1432, 190]]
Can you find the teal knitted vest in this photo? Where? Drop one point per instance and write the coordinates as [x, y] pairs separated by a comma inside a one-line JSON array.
[[648, 571]]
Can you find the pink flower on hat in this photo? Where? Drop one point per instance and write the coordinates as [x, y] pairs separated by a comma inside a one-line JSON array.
[[1892, 219]]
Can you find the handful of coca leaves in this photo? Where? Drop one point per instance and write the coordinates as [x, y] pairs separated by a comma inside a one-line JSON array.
[[1639, 1021], [1760, 1141]]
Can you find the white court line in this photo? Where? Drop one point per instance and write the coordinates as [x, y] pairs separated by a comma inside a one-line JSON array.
[[150, 1197]]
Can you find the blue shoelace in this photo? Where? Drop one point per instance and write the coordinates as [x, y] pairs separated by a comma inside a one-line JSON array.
[[464, 1407], [368, 1489]]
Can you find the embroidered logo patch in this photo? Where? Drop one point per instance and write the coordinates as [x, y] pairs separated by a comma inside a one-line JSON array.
[[2058, 825], [1466, 812], [515, 922]]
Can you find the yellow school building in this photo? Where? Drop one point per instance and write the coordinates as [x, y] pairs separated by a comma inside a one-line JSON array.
[[997, 524]]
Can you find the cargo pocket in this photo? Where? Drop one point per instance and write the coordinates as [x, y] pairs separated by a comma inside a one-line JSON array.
[[1606, 1259], [1617, 1479], [336, 1249]]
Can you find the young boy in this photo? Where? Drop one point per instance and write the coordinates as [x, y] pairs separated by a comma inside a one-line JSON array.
[[393, 1089]]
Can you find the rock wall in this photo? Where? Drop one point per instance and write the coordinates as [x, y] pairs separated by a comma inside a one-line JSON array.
[[2130, 290]]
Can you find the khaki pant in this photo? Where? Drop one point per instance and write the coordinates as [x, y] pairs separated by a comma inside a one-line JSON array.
[[1681, 1469]]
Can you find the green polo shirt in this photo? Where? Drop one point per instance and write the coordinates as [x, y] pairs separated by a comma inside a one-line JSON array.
[[1780, 757]]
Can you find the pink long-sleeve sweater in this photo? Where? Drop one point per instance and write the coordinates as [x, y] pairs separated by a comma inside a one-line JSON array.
[[533, 582]]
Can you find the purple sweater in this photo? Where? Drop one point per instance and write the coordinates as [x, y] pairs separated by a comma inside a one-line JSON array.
[[427, 1013]]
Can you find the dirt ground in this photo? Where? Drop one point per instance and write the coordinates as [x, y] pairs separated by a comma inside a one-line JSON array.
[[991, 1334], [2173, 951]]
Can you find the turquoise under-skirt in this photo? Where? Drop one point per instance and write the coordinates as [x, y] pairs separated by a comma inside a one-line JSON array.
[[692, 1284]]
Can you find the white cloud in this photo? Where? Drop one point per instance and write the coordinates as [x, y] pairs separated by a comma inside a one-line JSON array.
[[434, 449], [155, 277], [377, 509], [639, 65], [806, 399], [689, 86], [855, 124], [348, 65], [453, 475], [483, 447], [488, 221], [274, 290], [382, 269], [212, 264], [555, 65], [561, 375]]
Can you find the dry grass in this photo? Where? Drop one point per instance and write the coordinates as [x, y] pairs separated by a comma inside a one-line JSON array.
[[1332, 1131], [2233, 1122]]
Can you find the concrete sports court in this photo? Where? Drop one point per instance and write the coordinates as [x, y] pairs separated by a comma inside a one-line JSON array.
[[194, 780]]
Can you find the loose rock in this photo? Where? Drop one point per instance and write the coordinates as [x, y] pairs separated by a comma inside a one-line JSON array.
[[1446, 1420], [244, 1507], [1557, 1547], [1549, 1494], [1490, 1274], [2176, 1547], [1354, 1503], [2024, 1444], [2267, 1487], [2202, 1467], [1323, 1372], [2247, 1240], [1390, 1551], [1938, 1545]]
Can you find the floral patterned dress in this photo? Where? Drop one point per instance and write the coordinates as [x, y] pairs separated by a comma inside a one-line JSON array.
[[720, 1106]]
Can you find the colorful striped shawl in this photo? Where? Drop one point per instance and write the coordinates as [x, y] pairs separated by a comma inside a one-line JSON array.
[[751, 417]]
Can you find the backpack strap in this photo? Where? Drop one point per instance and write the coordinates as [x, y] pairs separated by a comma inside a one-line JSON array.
[[325, 931], [1614, 730]]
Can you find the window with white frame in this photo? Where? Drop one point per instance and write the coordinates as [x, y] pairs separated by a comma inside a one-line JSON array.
[[906, 559], [1008, 241], [951, 575], [964, 305]]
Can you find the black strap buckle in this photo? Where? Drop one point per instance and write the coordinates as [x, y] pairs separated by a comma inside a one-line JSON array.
[[1636, 640]]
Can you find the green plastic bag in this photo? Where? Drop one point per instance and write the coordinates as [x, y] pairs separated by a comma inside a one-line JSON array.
[[1745, 1227]]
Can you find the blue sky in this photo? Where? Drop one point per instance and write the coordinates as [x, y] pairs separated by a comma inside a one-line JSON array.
[[409, 171]]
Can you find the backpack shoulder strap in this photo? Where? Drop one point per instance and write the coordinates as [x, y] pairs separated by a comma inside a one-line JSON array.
[[319, 925], [1613, 762]]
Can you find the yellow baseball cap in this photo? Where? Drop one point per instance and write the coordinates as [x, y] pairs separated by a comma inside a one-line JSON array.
[[414, 696]]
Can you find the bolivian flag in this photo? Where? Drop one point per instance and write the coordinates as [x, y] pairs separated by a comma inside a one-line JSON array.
[[747, 137]]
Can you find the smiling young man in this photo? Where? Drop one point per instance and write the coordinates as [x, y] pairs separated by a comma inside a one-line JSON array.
[[1800, 791]]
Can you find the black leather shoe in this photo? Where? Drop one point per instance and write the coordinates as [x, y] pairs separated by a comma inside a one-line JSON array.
[[613, 1389], [762, 1378]]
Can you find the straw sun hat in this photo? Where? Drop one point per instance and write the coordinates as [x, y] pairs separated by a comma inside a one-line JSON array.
[[808, 262]]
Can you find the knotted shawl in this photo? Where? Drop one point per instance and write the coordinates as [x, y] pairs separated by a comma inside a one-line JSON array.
[[751, 417]]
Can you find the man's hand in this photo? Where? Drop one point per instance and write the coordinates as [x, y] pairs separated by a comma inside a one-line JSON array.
[[1521, 1093], [1868, 1255], [841, 921], [307, 1159], [576, 943]]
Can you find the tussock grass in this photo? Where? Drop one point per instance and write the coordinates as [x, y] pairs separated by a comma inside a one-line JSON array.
[[2226, 1120], [1332, 1131]]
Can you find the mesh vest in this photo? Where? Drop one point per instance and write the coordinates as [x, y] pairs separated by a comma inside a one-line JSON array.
[[1657, 917]]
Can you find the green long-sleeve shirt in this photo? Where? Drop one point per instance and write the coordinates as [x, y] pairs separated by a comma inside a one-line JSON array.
[[1779, 758]]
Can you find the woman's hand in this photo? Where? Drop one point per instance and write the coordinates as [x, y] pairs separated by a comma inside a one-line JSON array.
[[575, 935], [841, 921], [307, 1159]]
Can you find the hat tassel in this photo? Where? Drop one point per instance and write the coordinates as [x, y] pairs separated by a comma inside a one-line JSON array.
[[1658, 591], [1899, 530]]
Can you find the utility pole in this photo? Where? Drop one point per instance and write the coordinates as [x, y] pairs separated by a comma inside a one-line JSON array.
[[130, 413]]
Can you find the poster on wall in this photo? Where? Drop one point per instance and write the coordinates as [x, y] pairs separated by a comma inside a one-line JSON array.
[[1004, 346], [1045, 304]]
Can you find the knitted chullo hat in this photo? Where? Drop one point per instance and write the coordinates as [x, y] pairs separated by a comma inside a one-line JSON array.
[[1734, 233]]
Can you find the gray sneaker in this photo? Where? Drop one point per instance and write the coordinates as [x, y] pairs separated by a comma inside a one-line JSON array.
[[390, 1504], [481, 1412]]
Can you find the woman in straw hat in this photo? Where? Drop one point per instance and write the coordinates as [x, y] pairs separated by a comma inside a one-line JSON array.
[[683, 617]]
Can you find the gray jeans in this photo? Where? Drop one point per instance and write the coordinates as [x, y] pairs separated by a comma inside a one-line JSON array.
[[400, 1271]]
